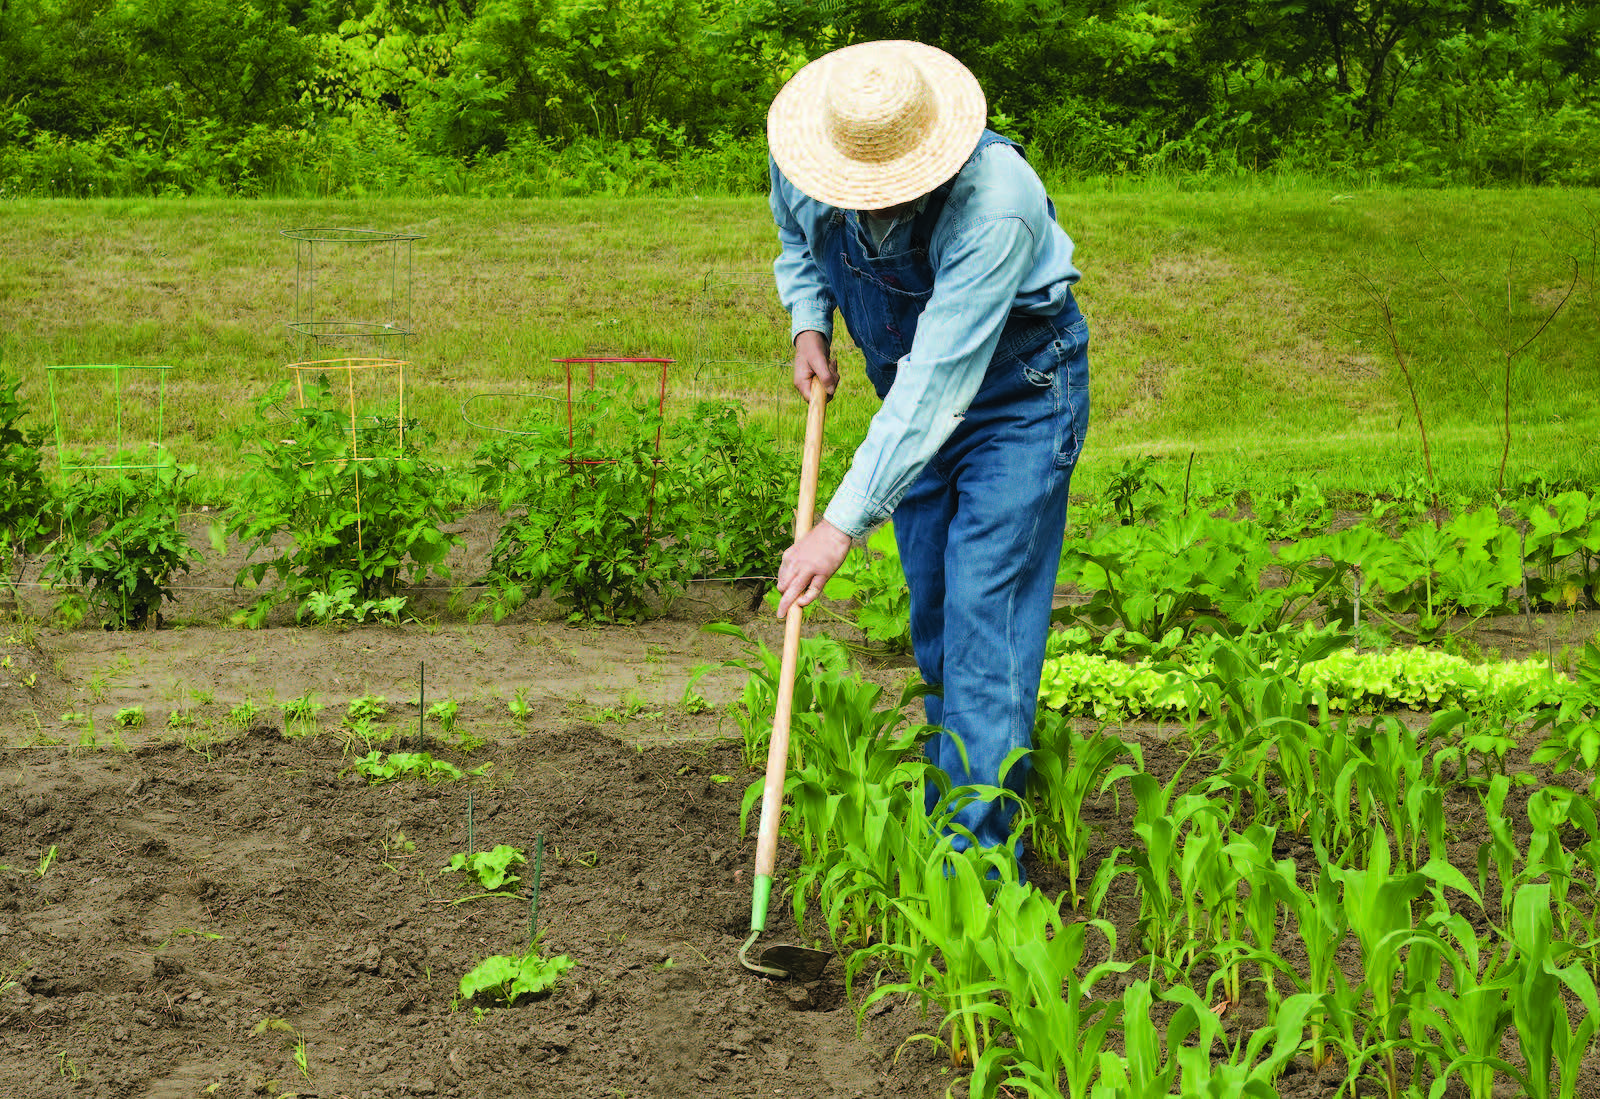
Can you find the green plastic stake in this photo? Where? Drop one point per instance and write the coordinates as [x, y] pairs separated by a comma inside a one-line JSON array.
[[533, 896]]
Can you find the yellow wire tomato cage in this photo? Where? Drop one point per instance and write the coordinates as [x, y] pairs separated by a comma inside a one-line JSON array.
[[350, 380]]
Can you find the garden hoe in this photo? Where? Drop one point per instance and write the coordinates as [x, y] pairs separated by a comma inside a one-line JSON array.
[[785, 959]]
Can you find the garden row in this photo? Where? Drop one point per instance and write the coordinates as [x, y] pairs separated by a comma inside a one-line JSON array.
[[344, 511], [1303, 893], [611, 506]]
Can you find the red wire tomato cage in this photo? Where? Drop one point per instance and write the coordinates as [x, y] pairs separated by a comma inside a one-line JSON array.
[[592, 362]]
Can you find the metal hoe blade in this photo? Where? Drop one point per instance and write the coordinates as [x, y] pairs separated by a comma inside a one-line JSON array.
[[785, 960]]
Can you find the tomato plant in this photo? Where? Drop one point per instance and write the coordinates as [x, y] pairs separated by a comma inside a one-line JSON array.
[[361, 529], [120, 543]]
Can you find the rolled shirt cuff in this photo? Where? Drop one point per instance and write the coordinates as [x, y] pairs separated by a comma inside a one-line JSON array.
[[854, 514], [811, 316]]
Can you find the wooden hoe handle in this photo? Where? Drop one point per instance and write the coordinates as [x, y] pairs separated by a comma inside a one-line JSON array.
[[778, 750]]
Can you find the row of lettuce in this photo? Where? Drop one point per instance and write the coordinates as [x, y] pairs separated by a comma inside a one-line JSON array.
[[1301, 893]]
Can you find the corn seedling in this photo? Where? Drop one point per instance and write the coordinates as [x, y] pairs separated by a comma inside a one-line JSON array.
[[1379, 907], [1160, 825], [1148, 1068], [1545, 1030], [1470, 1016], [1248, 1071], [1055, 1026], [819, 657], [1069, 768], [1395, 781], [952, 919], [1549, 810]]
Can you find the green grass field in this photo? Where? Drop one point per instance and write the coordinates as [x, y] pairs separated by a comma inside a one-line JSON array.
[[1246, 326]]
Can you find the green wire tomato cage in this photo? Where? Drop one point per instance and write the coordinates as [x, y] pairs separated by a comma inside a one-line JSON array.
[[138, 396]]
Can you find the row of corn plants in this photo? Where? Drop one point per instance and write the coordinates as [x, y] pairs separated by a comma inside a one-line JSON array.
[[1288, 830]]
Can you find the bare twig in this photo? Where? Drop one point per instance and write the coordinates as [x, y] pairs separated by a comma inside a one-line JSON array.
[[1390, 332], [1507, 350]]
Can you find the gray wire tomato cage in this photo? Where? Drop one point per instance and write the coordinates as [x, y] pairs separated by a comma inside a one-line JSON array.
[[386, 260]]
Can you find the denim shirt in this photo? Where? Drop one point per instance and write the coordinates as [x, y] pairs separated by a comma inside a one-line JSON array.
[[994, 250]]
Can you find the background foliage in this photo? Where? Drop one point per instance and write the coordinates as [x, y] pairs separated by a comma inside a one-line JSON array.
[[560, 97]]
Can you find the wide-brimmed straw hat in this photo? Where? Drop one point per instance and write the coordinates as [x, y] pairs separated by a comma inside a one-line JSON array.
[[876, 124]]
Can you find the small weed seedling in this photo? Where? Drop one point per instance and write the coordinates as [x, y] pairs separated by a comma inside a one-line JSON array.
[[188, 933], [396, 846], [491, 868], [242, 714], [693, 702], [46, 861], [300, 714], [445, 714], [518, 706], [130, 717], [297, 1042]]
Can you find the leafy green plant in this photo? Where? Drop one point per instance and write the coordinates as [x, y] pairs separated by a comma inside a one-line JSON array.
[[1559, 531], [875, 583], [120, 541], [379, 767], [507, 978], [365, 707], [593, 515], [492, 869], [444, 712], [130, 717], [732, 490], [26, 503], [1573, 739], [518, 706], [360, 529]]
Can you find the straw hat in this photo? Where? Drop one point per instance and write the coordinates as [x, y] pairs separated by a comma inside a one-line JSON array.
[[876, 124]]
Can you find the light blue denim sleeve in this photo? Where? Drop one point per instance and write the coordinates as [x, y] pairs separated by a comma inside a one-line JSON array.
[[985, 246], [802, 287]]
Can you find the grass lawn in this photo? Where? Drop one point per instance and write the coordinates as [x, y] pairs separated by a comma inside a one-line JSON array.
[[1257, 328]]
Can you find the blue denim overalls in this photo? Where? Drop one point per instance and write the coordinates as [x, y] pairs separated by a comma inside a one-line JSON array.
[[980, 530]]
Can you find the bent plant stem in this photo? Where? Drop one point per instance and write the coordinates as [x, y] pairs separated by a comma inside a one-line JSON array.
[[1381, 300], [1506, 349]]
